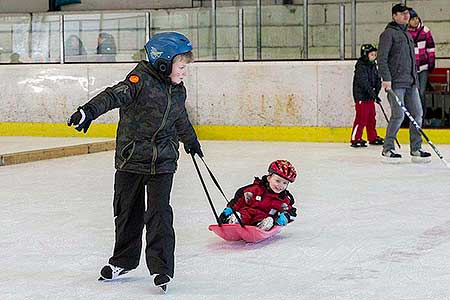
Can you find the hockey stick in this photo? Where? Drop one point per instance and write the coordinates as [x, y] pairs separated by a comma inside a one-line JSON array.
[[385, 115], [392, 93], [207, 193]]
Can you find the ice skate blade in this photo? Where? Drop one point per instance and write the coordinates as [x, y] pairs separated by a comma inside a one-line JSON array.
[[420, 160], [391, 161], [163, 288]]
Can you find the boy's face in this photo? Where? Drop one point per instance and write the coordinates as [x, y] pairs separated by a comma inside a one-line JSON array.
[[178, 72], [277, 183], [372, 55]]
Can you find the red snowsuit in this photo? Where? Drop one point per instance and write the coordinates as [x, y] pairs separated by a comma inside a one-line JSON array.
[[257, 201]]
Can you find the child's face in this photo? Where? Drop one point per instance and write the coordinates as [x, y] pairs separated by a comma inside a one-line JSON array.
[[277, 183], [372, 55], [178, 72], [414, 22]]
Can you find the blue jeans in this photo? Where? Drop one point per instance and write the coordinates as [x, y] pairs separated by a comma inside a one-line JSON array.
[[411, 100]]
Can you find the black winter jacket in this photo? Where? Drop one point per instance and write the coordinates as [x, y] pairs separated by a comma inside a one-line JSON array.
[[366, 81], [396, 57], [153, 118]]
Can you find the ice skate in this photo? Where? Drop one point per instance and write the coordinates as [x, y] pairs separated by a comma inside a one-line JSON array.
[[161, 280], [378, 141], [391, 156], [420, 157], [358, 144], [110, 272], [266, 224]]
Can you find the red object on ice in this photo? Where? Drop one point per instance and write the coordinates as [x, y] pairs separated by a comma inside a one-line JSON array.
[[251, 234]]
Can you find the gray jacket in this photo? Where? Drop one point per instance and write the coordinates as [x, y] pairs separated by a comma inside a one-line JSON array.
[[396, 57]]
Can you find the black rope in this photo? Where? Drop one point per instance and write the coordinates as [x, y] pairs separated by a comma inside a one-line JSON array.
[[206, 190], [221, 191]]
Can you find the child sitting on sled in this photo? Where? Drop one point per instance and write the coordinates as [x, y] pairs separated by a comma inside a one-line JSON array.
[[266, 202]]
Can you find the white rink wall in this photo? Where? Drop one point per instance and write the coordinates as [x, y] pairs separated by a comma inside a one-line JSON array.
[[308, 93]]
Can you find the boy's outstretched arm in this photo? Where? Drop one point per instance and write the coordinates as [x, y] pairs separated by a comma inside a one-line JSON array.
[[116, 96]]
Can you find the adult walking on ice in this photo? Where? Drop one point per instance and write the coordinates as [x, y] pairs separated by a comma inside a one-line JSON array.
[[397, 68]]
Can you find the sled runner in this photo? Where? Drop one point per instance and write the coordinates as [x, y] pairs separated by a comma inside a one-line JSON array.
[[250, 234]]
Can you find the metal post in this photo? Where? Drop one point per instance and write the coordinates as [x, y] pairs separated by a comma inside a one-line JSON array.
[[214, 29], [305, 29], [148, 26], [241, 33], [258, 29], [61, 39], [354, 29], [342, 31]]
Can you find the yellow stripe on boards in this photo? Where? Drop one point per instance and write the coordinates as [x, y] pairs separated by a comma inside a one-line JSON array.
[[215, 132]]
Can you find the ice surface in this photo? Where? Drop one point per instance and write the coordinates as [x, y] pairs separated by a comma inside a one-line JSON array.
[[366, 230]]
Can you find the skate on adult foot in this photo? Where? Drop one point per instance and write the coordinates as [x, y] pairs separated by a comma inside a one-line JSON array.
[[377, 141], [358, 144], [391, 156], [111, 272], [161, 280], [420, 156]]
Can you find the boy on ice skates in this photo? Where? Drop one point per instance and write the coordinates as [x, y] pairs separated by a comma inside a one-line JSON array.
[[151, 101], [366, 86], [267, 201]]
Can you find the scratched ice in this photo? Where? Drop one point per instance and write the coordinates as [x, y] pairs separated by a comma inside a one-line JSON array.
[[366, 230]]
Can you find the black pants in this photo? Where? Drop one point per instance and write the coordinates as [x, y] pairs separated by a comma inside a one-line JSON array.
[[130, 218]]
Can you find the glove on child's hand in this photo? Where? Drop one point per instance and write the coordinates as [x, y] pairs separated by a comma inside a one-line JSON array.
[[194, 148], [226, 213], [81, 119], [282, 220]]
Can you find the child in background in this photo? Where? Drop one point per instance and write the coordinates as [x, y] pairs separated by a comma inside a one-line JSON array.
[[366, 86], [265, 202]]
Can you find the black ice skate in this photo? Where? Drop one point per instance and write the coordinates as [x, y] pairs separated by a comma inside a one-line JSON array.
[[110, 272], [161, 280], [358, 144], [377, 141], [391, 156], [420, 156]]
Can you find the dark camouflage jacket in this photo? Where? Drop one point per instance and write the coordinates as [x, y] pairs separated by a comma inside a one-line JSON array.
[[153, 118]]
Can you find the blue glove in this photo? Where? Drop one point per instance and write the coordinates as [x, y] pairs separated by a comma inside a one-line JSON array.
[[282, 220], [225, 215], [227, 211]]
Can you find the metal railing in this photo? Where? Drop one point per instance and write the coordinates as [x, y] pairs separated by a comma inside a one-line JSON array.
[[256, 32]]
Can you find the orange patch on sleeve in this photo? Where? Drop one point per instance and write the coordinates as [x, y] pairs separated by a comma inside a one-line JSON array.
[[134, 78]]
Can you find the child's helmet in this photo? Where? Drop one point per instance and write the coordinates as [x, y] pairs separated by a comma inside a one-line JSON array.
[[367, 48], [163, 47], [284, 169]]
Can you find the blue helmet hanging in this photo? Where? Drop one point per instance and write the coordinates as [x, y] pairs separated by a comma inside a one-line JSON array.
[[163, 47]]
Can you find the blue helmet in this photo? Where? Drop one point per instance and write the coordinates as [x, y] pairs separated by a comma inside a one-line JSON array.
[[163, 47]]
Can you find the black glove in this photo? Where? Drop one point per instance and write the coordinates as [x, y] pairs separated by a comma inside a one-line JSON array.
[[81, 119], [194, 148]]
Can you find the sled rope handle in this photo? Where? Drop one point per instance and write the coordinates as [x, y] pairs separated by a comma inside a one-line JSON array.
[[207, 193], [221, 191]]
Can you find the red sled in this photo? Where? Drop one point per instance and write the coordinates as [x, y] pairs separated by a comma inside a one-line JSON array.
[[250, 234]]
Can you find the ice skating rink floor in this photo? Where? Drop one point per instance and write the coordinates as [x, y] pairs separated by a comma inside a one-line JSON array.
[[365, 231]]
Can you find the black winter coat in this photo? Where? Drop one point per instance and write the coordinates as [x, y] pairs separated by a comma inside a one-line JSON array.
[[366, 81], [153, 118]]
